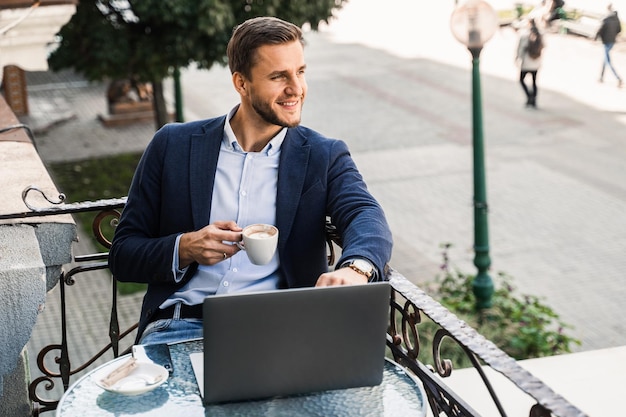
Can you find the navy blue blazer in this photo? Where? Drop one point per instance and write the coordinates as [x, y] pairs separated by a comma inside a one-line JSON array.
[[172, 189]]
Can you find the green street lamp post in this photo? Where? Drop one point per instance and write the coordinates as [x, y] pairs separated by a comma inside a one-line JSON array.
[[178, 95], [473, 23]]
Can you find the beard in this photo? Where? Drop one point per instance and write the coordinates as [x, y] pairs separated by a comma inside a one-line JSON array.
[[266, 112]]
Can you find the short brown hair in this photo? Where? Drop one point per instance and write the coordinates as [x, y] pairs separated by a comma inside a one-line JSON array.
[[254, 33]]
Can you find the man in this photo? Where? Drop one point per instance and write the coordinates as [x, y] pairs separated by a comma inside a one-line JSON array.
[[199, 183], [608, 31]]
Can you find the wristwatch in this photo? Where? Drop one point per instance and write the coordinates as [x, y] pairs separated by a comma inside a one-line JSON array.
[[361, 266]]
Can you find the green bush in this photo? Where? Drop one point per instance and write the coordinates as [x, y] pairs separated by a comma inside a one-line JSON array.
[[519, 324]]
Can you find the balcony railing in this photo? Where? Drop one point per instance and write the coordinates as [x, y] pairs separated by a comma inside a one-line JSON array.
[[407, 305]]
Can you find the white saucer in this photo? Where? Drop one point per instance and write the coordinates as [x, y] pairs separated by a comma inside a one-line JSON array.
[[145, 377]]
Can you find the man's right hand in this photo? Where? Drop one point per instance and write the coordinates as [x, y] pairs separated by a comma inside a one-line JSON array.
[[206, 246]]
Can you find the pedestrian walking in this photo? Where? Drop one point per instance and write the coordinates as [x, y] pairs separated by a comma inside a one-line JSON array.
[[529, 51], [608, 31]]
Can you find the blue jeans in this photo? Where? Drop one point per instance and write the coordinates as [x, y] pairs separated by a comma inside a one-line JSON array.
[[172, 330], [607, 61]]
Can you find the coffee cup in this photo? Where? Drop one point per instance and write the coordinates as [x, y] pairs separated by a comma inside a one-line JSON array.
[[259, 242]]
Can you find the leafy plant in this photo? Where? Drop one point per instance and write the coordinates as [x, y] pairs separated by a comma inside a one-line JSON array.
[[519, 324]]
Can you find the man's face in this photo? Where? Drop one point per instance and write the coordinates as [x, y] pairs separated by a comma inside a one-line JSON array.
[[277, 87]]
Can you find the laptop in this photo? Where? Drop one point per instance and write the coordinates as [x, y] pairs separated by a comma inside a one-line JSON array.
[[294, 341]]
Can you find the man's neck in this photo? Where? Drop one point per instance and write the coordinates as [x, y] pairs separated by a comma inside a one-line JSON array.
[[252, 133]]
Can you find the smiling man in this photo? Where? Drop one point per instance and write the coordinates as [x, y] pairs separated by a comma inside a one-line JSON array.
[[199, 183]]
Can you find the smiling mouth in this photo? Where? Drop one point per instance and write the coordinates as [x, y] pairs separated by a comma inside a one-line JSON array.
[[288, 103]]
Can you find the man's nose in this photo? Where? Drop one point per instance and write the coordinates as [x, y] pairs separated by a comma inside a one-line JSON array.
[[296, 86]]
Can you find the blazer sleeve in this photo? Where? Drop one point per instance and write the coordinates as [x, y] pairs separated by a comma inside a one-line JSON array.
[[359, 218], [142, 249]]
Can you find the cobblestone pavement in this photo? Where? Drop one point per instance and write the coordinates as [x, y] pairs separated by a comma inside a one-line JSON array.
[[555, 175]]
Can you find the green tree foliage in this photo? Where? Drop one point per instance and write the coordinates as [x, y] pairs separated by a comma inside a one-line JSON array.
[[145, 40]]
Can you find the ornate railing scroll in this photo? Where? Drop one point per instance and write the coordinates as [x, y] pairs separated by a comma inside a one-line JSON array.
[[60, 207], [407, 304]]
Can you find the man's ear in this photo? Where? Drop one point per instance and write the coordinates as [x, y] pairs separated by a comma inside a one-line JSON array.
[[240, 83]]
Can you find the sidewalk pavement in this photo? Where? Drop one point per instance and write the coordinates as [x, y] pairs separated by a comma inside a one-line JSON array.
[[555, 175]]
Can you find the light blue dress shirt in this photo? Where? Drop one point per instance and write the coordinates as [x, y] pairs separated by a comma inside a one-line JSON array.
[[244, 191]]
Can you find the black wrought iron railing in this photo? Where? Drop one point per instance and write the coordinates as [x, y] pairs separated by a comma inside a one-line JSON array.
[[408, 304]]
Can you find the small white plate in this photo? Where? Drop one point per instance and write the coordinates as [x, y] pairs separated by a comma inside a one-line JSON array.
[[145, 377]]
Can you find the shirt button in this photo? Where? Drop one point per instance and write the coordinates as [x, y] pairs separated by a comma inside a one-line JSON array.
[[235, 269], [226, 283], [244, 193]]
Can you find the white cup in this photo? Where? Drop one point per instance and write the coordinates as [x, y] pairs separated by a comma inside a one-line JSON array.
[[259, 242]]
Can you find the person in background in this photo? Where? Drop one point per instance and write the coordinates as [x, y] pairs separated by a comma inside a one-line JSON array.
[[609, 29], [529, 51], [198, 183]]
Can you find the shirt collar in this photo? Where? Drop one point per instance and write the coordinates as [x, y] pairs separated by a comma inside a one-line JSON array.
[[231, 143]]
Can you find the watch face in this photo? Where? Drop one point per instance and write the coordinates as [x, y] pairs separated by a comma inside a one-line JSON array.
[[363, 266]]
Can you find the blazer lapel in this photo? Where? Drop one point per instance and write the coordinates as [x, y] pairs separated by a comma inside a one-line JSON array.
[[204, 153], [292, 170]]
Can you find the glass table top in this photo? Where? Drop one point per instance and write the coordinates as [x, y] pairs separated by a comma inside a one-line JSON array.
[[399, 394]]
